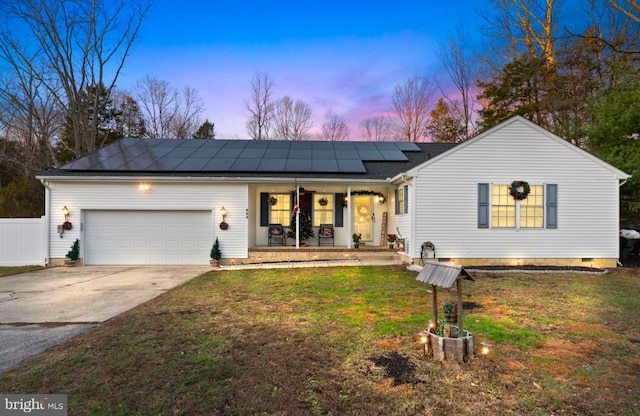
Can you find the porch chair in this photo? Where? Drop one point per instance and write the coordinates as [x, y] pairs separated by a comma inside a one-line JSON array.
[[276, 231], [325, 232]]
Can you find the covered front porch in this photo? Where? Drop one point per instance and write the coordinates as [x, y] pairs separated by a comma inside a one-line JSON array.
[[365, 209]]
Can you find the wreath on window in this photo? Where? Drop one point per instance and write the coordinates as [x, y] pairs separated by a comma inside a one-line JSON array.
[[516, 193], [362, 210]]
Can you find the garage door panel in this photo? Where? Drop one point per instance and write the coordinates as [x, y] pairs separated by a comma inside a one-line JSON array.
[[148, 237]]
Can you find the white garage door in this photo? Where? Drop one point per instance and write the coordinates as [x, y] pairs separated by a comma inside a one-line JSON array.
[[147, 237]]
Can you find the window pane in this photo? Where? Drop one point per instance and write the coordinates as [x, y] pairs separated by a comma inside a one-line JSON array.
[[322, 209], [280, 212], [532, 208], [503, 207]]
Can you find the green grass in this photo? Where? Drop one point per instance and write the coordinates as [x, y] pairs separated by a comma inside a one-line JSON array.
[[8, 271], [301, 341]]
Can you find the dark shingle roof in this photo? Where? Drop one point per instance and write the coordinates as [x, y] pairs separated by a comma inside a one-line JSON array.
[[249, 158]]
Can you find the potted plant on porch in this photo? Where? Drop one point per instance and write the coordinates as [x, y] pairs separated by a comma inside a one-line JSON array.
[[356, 237], [73, 254], [391, 239], [215, 254]]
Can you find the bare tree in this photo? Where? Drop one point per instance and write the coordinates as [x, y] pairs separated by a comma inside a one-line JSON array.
[[335, 129], [187, 120], [260, 106], [412, 103], [159, 102], [376, 129], [292, 120], [459, 65], [526, 28], [629, 8], [167, 111], [84, 43]]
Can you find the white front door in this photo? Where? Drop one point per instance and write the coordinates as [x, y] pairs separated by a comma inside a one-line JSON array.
[[362, 216]]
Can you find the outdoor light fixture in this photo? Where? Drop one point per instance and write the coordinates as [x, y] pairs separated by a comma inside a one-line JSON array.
[[66, 225], [144, 187], [381, 198], [424, 340], [484, 351], [223, 224]]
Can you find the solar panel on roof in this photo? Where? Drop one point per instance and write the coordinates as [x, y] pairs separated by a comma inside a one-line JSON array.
[[112, 163], [190, 143], [158, 155], [370, 155], [322, 145], [139, 163], [344, 146], [157, 151], [272, 165], [164, 142], [235, 144], [297, 165], [394, 156], [347, 154], [218, 165], [178, 152], [257, 144], [192, 164], [252, 153], [351, 166], [323, 154], [278, 144], [207, 152], [211, 144], [300, 145], [276, 153], [299, 153], [324, 165], [245, 165], [386, 146], [165, 164], [408, 147], [365, 145], [228, 153]]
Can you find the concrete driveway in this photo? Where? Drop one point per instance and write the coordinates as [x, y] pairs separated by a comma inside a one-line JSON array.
[[41, 309]]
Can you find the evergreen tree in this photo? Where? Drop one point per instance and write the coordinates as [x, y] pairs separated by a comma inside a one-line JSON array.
[[206, 131], [306, 229]]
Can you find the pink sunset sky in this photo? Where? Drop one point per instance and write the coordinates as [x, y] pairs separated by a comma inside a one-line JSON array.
[[341, 57]]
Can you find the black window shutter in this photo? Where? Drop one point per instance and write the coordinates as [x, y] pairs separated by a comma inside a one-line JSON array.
[[483, 205], [338, 211], [308, 200], [396, 203], [552, 206], [406, 198], [264, 209]]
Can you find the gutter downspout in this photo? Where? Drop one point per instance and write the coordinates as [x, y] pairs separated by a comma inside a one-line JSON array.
[[47, 220]]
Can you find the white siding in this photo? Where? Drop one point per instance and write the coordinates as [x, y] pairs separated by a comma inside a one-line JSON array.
[[402, 224], [587, 198], [162, 196]]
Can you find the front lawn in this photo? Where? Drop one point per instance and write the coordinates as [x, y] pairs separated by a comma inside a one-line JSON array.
[[339, 341]]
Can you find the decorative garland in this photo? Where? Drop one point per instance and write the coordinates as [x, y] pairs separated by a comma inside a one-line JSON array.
[[516, 193]]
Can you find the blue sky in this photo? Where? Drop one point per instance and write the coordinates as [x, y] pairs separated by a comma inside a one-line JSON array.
[[342, 58]]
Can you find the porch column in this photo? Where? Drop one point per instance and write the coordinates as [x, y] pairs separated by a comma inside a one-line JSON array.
[[349, 218]]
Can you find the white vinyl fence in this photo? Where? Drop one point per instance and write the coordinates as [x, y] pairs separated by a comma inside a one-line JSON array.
[[23, 241]]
